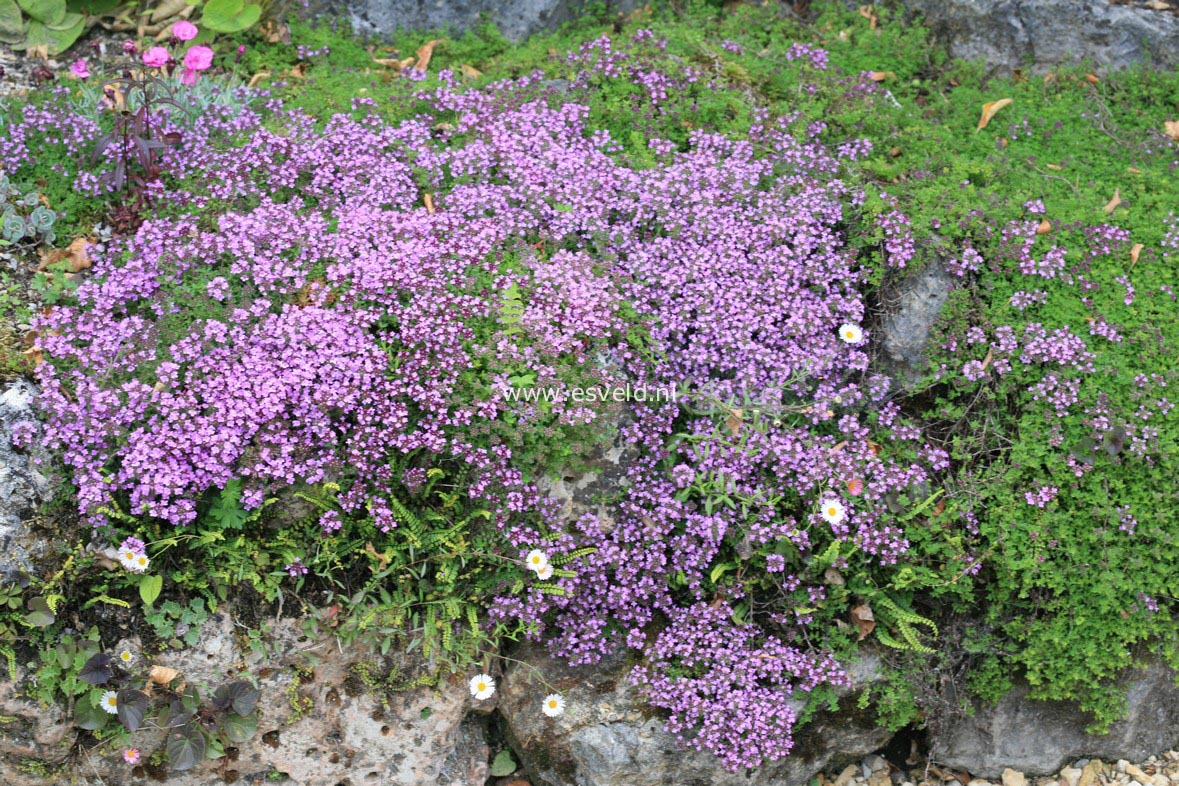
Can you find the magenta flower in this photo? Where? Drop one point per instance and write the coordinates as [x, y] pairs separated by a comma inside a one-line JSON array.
[[156, 57], [184, 30], [80, 70], [131, 755], [199, 58]]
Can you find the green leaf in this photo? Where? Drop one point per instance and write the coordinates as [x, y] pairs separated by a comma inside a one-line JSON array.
[[50, 12], [227, 510], [239, 728], [55, 39], [186, 749], [12, 23], [503, 764], [40, 615], [89, 717], [230, 16], [150, 587]]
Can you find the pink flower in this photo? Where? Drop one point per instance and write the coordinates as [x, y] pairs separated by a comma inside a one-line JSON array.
[[184, 30], [131, 755], [156, 57], [79, 69], [198, 58]]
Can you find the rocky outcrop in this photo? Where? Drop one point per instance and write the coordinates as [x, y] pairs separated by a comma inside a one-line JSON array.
[[1039, 34], [319, 723], [516, 19], [1037, 737], [912, 311], [22, 485], [608, 737]]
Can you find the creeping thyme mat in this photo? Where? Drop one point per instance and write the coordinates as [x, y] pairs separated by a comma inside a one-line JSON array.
[[345, 363]]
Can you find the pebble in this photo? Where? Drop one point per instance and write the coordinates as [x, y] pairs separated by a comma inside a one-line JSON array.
[[1070, 775], [1013, 778], [1161, 770]]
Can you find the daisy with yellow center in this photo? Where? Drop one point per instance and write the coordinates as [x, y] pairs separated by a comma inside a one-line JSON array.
[[482, 686], [554, 705], [545, 573], [536, 559], [109, 701], [126, 656], [851, 334], [127, 558], [832, 511], [139, 564]]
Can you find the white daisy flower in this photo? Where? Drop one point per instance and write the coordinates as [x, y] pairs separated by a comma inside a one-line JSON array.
[[545, 573], [127, 558], [554, 705], [832, 510], [851, 334], [126, 656], [482, 686], [536, 559], [109, 701], [139, 564]]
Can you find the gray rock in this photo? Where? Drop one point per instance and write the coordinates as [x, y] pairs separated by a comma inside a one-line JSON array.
[[22, 486], [912, 312], [608, 737], [317, 723], [1037, 737], [1040, 34], [516, 19]]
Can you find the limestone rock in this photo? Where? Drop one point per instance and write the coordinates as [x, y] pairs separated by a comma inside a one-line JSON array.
[[1037, 737], [1044, 33], [22, 485], [608, 737]]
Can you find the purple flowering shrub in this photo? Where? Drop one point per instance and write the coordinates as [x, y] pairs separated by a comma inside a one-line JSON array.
[[364, 311]]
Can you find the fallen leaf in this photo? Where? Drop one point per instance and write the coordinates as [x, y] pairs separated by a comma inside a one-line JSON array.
[[895, 152], [1133, 171], [868, 13], [865, 622], [1049, 77], [382, 559], [1092, 79], [273, 31], [1054, 167], [989, 110], [1171, 129], [987, 360], [38, 52], [429, 200], [880, 76], [1158, 5], [298, 72], [1044, 227], [839, 447], [875, 448], [833, 577], [113, 98], [425, 53], [167, 9], [74, 254], [1135, 250], [734, 420], [1112, 204], [162, 675], [258, 77], [470, 72]]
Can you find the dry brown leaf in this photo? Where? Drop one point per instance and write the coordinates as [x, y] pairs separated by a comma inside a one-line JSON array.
[[429, 200], [869, 13], [895, 152], [1135, 250], [1112, 204], [989, 357], [865, 622], [1044, 227], [734, 420], [381, 559], [1092, 79], [298, 72], [1054, 167], [470, 72], [258, 77], [1171, 129], [989, 110], [1133, 170], [388, 62], [875, 448], [425, 53], [162, 675], [1050, 77], [274, 31], [839, 447], [38, 52], [74, 254], [880, 76], [833, 577], [167, 9]]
